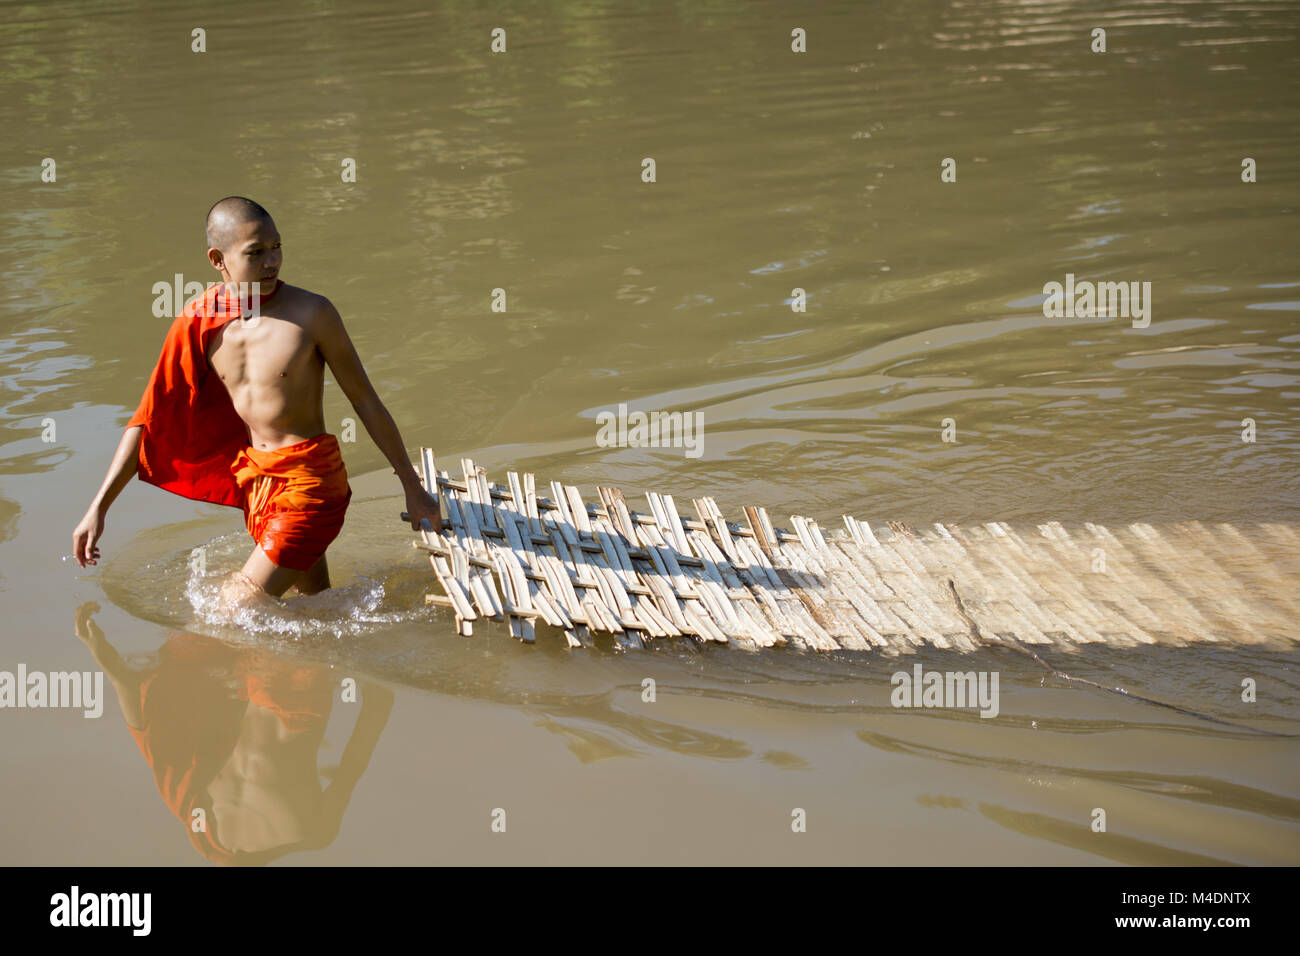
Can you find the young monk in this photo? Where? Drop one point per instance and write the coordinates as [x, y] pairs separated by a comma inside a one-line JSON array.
[[233, 414]]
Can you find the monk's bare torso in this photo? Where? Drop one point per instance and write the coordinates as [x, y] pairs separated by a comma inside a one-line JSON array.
[[273, 370]]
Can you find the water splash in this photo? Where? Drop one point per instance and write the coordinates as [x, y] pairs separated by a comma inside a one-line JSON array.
[[363, 606]]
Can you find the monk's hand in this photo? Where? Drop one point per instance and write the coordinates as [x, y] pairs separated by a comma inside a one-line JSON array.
[[419, 505], [85, 537]]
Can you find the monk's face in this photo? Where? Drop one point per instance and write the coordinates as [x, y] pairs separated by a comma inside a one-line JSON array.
[[253, 255]]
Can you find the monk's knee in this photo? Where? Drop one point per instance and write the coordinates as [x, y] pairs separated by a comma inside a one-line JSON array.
[[239, 589]]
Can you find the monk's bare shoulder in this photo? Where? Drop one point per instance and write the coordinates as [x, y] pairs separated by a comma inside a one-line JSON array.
[[319, 316], [302, 302], [336, 348]]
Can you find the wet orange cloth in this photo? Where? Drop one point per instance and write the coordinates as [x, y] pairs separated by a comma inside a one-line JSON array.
[[294, 498], [191, 429]]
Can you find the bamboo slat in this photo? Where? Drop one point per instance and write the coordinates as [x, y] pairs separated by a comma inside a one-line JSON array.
[[505, 553]]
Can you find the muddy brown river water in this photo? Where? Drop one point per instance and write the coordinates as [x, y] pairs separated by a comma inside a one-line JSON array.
[[357, 727]]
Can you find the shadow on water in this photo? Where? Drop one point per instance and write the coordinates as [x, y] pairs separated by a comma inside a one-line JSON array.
[[1117, 847]]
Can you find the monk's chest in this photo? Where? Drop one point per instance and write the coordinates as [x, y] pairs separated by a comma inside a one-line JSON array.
[[261, 350]]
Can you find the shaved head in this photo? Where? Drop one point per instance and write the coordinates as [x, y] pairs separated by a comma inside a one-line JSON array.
[[227, 215]]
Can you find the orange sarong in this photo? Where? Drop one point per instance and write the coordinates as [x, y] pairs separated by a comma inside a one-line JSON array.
[[294, 499]]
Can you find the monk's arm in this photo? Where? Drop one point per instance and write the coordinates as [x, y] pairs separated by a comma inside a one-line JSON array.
[[120, 472], [341, 356]]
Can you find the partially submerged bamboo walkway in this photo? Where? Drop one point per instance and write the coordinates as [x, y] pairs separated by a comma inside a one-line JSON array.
[[507, 553]]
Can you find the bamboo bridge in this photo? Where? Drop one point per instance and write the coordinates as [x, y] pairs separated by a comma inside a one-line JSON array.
[[509, 554]]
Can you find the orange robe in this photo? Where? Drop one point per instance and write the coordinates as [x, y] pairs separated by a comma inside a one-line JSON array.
[[295, 499], [191, 429]]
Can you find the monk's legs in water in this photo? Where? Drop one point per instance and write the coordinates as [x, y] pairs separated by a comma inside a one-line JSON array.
[[264, 574], [238, 590], [315, 579], [261, 580]]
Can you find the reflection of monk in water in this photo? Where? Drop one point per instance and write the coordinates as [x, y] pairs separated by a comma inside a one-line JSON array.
[[234, 732]]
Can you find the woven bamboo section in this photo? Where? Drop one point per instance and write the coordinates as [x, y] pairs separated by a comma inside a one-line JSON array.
[[507, 553]]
